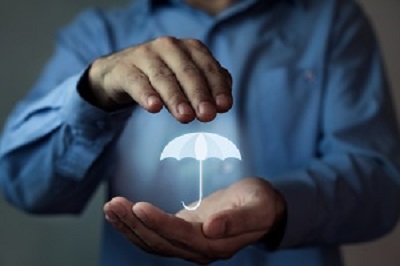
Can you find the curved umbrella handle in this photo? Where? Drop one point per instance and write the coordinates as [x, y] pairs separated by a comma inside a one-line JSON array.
[[192, 208]]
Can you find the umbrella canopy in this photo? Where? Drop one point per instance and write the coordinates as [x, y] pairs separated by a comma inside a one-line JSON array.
[[200, 146]]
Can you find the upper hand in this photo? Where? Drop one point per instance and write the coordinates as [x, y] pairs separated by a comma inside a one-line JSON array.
[[225, 222], [181, 74]]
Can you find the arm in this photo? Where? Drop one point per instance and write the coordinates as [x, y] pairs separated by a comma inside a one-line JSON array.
[[53, 138], [351, 191], [51, 148]]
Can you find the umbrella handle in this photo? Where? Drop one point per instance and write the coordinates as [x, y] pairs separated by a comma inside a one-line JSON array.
[[192, 208]]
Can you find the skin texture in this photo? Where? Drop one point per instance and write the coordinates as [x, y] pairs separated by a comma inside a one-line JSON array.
[[225, 222], [180, 74]]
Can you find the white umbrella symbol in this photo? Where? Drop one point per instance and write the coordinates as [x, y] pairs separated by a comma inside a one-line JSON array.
[[200, 146]]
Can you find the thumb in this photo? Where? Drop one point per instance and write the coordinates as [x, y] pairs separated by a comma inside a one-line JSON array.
[[236, 221]]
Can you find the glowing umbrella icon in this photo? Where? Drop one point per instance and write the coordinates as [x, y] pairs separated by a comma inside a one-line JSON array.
[[200, 146]]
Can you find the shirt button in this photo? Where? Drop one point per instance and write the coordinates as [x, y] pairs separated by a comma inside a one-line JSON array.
[[310, 76]]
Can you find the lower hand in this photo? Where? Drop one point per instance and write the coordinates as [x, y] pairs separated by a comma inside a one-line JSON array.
[[226, 221]]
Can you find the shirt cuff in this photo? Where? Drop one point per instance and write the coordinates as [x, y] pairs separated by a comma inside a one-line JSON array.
[[272, 240], [299, 193], [86, 119]]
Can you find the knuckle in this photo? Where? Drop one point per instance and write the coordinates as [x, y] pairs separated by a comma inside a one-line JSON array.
[[116, 70], [226, 72], [100, 67], [137, 77], [166, 41], [161, 73], [222, 71], [109, 61], [195, 43], [115, 74], [199, 94], [120, 70], [212, 68], [190, 70], [143, 49], [108, 79]]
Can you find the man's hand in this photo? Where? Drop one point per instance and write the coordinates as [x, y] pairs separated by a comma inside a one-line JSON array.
[[181, 74], [225, 222]]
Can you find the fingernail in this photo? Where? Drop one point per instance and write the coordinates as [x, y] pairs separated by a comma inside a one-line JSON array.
[[140, 214], [153, 100], [206, 108], [118, 208], [110, 218], [184, 109], [223, 101]]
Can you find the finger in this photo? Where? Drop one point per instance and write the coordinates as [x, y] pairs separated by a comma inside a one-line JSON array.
[[181, 233], [138, 86], [225, 248], [153, 241], [190, 78], [163, 80], [218, 78], [237, 221], [118, 224], [189, 235]]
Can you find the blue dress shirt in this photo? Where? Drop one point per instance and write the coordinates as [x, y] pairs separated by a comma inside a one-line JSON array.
[[312, 115]]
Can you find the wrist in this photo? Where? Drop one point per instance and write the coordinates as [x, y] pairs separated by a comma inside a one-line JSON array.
[[94, 94]]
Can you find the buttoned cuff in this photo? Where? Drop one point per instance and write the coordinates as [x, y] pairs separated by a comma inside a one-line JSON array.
[[86, 119]]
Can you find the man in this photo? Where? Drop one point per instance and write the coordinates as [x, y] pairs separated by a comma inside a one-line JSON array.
[[298, 85]]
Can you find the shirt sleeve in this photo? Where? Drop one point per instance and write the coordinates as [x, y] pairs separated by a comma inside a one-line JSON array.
[[351, 191], [53, 141]]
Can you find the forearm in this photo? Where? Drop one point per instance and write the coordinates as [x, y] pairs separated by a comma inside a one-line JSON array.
[[53, 147], [51, 150], [340, 199], [350, 192]]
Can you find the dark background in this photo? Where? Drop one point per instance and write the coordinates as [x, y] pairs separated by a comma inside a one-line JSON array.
[[27, 30]]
